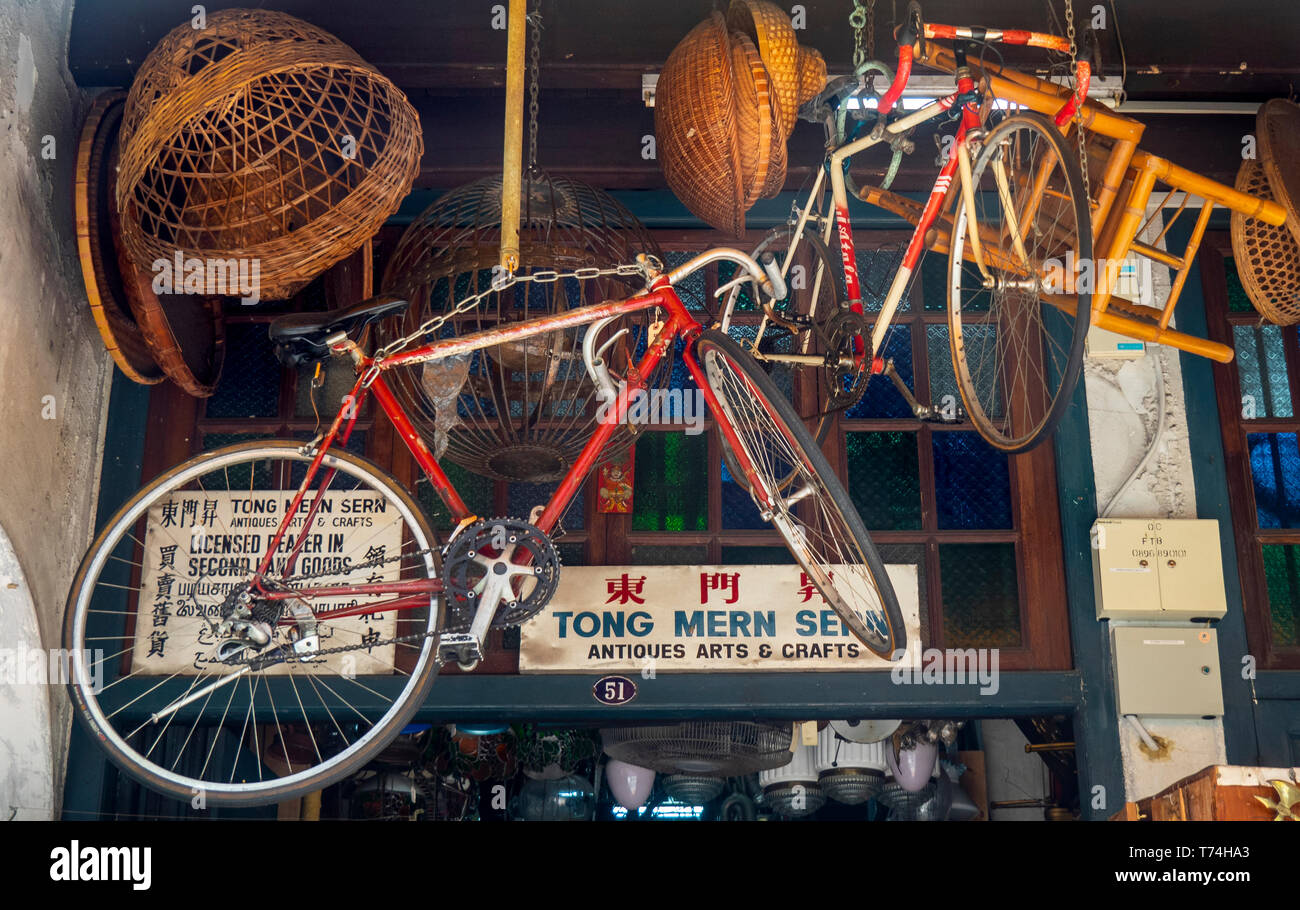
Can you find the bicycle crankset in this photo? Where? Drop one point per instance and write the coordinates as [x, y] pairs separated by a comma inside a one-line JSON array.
[[844, 336], [506, 548]]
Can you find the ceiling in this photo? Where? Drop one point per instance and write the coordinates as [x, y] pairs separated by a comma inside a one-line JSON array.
[[447, 57]]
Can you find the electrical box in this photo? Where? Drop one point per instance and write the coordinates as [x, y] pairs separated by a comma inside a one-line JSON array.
[[1158, 569], [1133, 284], [1167, 672]]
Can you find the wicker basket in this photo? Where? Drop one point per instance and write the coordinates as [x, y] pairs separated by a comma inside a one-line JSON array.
[[1267, 256], [261, 137], [725, 105]]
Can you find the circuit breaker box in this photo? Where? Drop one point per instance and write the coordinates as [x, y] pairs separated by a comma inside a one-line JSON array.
[[1158, 569], [1162, 671]]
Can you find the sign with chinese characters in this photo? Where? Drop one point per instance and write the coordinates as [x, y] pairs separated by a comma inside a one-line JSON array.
[[617, 619], [199, 546]]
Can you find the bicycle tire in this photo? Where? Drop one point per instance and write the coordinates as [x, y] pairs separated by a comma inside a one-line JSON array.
[[752, 404], [1003, 400], [92, 715]]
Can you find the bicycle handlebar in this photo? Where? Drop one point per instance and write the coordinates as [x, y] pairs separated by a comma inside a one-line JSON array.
[[768, 276]]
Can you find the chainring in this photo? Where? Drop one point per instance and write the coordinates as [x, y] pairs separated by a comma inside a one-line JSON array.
[[468, 560], [840, 336]]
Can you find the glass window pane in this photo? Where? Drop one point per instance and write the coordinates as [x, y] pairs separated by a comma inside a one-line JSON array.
[[659, 555], [1275, 467], [934, 282], [911, 554], [943, 381], [981, 603], [1261, 364], [972, 483], [1282, 575], [876, 270], [738, 510], [745, 300], [690, 290], [884, 480], [338, 377], [1238, 299], [881, 399], [250, 377], [474, 489], [522, 498], [572, 554], [670, 486]]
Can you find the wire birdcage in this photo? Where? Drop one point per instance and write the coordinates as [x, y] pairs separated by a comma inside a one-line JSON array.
[[519, 411]]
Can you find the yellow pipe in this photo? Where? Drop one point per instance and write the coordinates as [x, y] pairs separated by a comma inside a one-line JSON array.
[[1144, 331], [512, 166], [1193, 245], [1194, 184]]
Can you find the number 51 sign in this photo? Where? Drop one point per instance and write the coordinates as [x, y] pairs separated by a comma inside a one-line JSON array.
[[614, 690]]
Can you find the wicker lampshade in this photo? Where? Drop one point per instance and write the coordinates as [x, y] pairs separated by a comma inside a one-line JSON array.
[[261, 137]]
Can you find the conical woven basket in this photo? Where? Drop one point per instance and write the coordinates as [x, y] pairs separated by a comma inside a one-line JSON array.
[[261, 137], [1267, 256]]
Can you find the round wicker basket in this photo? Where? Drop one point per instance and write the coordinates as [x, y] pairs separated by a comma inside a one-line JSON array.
[[261, 137], [1267, 256]]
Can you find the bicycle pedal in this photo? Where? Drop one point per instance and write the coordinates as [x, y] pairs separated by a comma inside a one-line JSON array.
[[461, 648]]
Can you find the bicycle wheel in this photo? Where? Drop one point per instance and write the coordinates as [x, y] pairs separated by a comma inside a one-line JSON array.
[[808, 321], [813, 514], [1017, 337], [187, 712]]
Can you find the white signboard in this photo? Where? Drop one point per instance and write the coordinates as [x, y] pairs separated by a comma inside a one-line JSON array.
[[199, 546], [703, 619]]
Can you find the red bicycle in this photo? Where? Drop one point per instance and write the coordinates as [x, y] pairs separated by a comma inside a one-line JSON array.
[[313, 655]]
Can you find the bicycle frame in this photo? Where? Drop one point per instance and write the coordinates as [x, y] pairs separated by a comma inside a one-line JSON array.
[[416, 593], [957, 162]]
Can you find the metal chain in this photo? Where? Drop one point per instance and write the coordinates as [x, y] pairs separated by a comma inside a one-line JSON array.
[[1078, 110], [534, 66], [861, 18], [502, 282]]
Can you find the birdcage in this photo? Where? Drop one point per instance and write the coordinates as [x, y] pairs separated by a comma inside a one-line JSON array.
[[519, 411]]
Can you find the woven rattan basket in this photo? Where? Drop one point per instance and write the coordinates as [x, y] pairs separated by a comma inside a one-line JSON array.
[[1267, 257], [265, 138], [725, 104]]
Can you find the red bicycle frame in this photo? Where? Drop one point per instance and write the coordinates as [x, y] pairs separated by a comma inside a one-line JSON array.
[[416, 592]]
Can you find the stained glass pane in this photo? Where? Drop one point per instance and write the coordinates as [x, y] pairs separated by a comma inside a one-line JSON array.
[[250, 377], [338, 377], [572, 554], [523, 497], [972, 483], [738, 510], [670, 488], [238, 475], [474, 489], [745, 301], [981, 604], [934, 282], [881, 399], [911, 554], [1238, 299], [690, 290], [776, 340], [756, 556], [884, 480], [1275, 468], [876, 270], [1261, 364], [943, 382], [1282, 575], [658, 555]]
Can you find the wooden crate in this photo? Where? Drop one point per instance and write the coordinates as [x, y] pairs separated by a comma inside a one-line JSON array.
[[1216, 793]]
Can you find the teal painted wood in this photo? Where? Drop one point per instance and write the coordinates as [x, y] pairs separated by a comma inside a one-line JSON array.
[[1096, 729], [88, 771], [671, 696], [1205, 439]]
